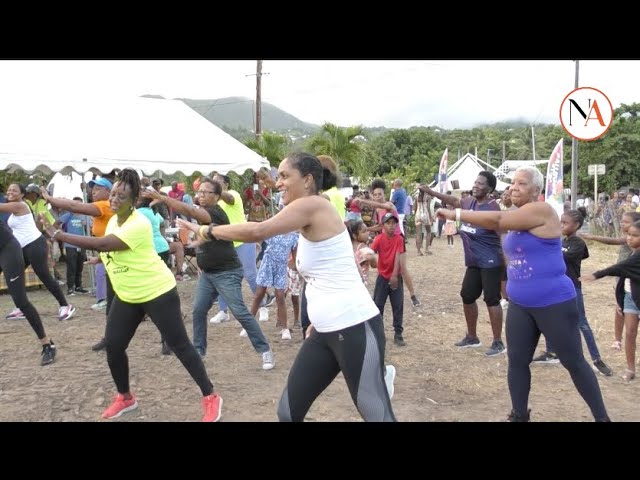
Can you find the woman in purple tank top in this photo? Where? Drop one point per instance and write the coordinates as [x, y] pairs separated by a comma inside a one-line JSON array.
[[542, 299]]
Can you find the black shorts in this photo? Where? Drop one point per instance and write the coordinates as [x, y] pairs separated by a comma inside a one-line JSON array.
[[477, 280]]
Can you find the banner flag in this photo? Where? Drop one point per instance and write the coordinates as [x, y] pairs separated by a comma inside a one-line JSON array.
[[442, 173], [554, 189]]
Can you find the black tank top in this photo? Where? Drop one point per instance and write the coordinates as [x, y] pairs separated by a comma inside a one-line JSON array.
[[5, 234]]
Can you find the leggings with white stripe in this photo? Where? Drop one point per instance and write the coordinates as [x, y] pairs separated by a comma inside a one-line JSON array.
[[12, 265], [357, 352]]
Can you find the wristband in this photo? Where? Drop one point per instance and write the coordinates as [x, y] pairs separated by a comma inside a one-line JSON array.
[[458, 211]]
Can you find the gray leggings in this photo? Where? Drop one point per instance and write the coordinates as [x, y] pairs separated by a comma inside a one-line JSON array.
[[559, 324], [357, 352]]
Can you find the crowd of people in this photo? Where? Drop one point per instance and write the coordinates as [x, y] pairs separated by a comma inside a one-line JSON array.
[[306, 242]]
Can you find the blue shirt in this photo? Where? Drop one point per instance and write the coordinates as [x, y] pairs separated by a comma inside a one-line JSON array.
[[398, 199], [75, 224], [536, 271], [159, 242], [482, 246]]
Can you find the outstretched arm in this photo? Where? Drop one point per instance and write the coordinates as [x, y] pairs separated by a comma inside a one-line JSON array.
[[71, 205], [448, 199], [605, 240], [527, 217], [200, 214], [109, 243]]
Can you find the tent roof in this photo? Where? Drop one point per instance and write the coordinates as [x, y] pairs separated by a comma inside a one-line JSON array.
[[466, 170], [98, 135]]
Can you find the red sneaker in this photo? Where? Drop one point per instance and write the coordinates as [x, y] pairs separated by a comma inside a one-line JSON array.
[[119, 406], [212, 405]]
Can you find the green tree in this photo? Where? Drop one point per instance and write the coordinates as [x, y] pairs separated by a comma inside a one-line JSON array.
[[273, 146], [339, 143]]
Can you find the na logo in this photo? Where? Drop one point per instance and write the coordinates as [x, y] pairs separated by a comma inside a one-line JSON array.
[[586, 113]]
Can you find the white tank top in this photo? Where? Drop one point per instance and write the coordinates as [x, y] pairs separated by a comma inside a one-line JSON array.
[[336, 296], [24, 228]]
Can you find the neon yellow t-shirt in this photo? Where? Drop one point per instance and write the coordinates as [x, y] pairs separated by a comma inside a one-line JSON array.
[[138, 274], [235, 212], [337, 200], [40, 207]]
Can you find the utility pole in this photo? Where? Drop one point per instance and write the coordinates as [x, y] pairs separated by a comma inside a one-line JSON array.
[[574, 157], [533, 142], [258, 75], [259, 99], [504, 151]]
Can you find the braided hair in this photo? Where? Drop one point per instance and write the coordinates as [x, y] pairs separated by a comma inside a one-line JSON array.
[[129, 176], [577, 216]]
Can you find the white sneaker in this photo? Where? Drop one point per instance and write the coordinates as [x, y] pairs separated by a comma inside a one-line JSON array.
[[389, 378], [99, 305], [66, 312], [16, 314], [286, 334], [267, 360], [264, 314], [220, 317], [243, 333]]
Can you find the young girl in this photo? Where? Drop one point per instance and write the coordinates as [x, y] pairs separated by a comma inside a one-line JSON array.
[[627, 220], [273, 273], [627, 295], [294, 287], [450, 228], [365, 257], [574, 250]]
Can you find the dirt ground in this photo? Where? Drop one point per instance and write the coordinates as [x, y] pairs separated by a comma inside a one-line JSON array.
[[435, 380]]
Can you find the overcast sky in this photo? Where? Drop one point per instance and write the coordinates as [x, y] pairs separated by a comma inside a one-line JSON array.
[[445, 93]]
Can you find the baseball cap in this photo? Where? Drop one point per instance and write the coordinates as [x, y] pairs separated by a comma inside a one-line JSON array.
[[389, 216], [101, 182], [157, 180], [33, 188]]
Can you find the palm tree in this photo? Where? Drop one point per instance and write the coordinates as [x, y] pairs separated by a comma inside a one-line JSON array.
[[339, 143], [272, 146]]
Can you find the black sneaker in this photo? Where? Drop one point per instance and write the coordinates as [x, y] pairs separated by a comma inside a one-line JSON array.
[[398, 340], [81, 290], [48, 354], [415, 301], [101, 345], [70, 292], [546, 358], [497, 347], [513, 417], [601, 367], [468, 342]]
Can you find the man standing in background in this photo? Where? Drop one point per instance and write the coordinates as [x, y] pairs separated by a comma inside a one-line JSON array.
[[399, 198]]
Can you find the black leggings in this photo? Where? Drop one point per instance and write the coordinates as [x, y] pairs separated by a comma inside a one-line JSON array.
[[165, 313], [12, 265], [36, 254], [559, 324], [357, 352]]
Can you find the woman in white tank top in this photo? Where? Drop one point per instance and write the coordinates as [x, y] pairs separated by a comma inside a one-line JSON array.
[[346, 333], [35, 249]]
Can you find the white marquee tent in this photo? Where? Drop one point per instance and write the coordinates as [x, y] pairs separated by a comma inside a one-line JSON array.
[[98, 135], [465, 171]]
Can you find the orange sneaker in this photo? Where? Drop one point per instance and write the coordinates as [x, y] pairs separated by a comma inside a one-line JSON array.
[[212, 405], [119, 406]]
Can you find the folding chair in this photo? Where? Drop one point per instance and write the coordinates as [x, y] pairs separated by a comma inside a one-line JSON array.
[[190, 266]]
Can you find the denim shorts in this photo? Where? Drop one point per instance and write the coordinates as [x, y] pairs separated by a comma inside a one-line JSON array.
[[629, 305]]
